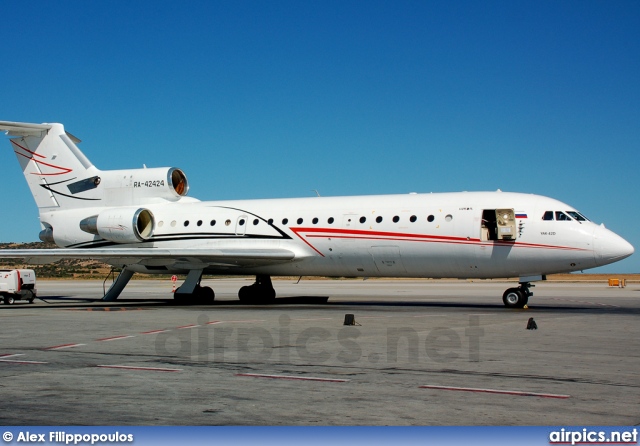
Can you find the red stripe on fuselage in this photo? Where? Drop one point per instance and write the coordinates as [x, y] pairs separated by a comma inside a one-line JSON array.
[[355, 234]]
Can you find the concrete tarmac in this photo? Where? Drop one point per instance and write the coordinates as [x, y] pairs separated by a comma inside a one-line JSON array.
[[422, 353]]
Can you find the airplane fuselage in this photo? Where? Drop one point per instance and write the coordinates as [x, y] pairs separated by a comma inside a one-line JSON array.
[[412, 235]]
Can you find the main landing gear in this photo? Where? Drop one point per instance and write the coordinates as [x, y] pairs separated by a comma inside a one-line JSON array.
[[261, 292], [517, 297], [191, 293], [202, 295]]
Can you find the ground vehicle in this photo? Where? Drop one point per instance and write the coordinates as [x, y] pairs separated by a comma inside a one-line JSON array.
[[17, 284]]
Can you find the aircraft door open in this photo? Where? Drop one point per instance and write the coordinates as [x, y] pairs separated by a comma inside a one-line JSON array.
[[498, 224]]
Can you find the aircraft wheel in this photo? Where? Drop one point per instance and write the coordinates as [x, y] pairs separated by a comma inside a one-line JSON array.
[[206, 295], [514, 298], [183, 299], [267, 295], [247, 294], [256, 294]]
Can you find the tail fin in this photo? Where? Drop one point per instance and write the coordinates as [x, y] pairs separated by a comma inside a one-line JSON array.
[[58, 173]]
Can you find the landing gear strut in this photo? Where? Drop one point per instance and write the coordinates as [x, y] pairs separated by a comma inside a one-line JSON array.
[[191, 292], [261, 292], [517, 297]]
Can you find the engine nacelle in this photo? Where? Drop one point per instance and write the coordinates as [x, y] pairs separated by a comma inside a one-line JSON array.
[[142, 186], [121, 225]]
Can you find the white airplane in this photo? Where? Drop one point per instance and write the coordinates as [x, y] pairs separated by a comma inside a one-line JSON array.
[[142, 221]]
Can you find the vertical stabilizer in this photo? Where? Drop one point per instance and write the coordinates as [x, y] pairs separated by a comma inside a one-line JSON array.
[[59, 175]]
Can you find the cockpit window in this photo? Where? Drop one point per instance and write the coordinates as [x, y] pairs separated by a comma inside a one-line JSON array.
[[561, 216], [548, 215], [577, 215]]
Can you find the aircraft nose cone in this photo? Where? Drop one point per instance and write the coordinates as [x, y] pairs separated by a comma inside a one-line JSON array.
[[609, 247]]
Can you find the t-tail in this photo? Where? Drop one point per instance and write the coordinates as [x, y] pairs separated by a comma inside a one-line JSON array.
[[58, 173], [73, 195]]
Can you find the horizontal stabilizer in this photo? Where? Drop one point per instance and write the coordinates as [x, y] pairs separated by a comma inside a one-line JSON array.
[[28, 129]]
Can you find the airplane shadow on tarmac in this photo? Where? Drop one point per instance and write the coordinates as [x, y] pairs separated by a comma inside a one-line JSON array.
[[66, 302]]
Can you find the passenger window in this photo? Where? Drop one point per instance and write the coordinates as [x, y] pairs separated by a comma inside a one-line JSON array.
[[363, 219], [330, 221], [300, 221], [548, 215], [378, 219], [430, 218], [285, 221], [255, 222], [315, 220], [396, 219], [561, 216], [413, 219]]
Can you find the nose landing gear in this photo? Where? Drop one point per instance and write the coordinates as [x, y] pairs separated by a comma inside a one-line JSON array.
[[517, 297]]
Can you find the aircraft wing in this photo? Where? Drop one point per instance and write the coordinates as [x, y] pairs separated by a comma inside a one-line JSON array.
[[190, 258]]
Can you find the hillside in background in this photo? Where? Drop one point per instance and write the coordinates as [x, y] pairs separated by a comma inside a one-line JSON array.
[[64, 269]]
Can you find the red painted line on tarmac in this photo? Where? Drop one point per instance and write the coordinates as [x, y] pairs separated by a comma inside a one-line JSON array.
[[246, 320], [187, 326], [213, 322], [10, 355], [295, 378], [60, 347], [114, 338], [153, 332], [144, 369], [495, 391]]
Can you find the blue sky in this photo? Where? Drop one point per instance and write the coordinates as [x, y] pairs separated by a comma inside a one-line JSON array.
[[276, 98]]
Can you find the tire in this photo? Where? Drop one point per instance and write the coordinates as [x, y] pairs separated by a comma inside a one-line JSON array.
[[246, 294], [206, 295], [9, 300], [514, 298]]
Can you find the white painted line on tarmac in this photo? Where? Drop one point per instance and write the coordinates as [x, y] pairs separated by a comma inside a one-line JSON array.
[[21, 361]]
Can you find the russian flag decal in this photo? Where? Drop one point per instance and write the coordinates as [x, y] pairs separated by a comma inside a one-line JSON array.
[[521, 215]]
